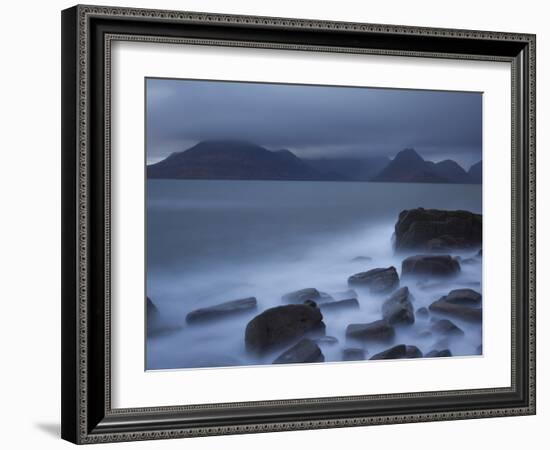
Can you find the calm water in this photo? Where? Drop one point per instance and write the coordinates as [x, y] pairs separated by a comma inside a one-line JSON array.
[[215, 241]]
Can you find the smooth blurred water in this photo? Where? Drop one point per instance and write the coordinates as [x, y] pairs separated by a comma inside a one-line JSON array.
[[215, 241]]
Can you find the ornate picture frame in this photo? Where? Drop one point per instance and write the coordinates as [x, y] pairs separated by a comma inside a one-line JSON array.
[[88, 33]]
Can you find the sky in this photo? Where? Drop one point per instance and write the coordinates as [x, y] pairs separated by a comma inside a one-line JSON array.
[[314, 121]]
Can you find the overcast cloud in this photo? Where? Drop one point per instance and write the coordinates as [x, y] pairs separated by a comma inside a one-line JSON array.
[[314, 121]]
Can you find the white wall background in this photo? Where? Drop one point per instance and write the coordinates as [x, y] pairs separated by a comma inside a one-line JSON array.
[[30, 223]]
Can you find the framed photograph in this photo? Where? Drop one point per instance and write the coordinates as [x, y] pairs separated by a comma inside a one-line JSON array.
[[278, 224]]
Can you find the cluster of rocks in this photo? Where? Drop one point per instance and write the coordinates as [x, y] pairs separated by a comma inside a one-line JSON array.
[[296, 328]]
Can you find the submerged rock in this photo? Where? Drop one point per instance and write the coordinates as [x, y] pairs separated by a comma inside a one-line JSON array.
[[222, 310], [437, 230], [439, 353], [362, 259], [436, 266], [380, 330], [152, 310], [399, 352], [460, 303], [326, 340], [379, 281], [353, 354], [349, 303], [398, 309], [280, 325], [350, 293], [444, 326], [301, 295], [305, 351], [422, 312]]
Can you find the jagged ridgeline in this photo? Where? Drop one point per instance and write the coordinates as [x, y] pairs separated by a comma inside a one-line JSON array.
[[241, 160]]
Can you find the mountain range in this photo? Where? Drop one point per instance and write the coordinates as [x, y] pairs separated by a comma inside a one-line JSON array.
[[240, 160]]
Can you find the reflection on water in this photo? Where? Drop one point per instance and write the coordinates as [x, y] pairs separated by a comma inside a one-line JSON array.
[[213, 241]]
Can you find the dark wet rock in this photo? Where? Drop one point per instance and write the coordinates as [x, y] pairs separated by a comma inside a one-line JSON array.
[[379, 281], [460, 303], [310, 303], [353, 354], [379, 330], [223, 310], [398, 309], [444, 326], [422, 312], [439, 353], [426, 285], [399, 352], [280, 325], [437, 230], [326, 340], [305, 351], [362, 259], [428, 266], [301, 295], [339, 305], [480, 253]]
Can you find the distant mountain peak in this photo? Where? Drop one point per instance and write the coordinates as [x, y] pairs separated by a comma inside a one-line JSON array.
[[408, 154]]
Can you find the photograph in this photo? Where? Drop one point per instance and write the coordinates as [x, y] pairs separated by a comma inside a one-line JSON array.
[[297, 224]]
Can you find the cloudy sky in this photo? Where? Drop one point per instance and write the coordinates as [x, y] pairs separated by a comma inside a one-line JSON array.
[[314, 121]]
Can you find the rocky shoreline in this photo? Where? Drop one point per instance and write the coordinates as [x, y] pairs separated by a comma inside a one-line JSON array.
[[295, 331]]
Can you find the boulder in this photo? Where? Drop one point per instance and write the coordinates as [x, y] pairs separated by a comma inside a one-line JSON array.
[[379, 330], [398, 309], [223, 310], [444, 326], [353, 354], [460, 303], [305, 351], [280, 325], [439, 353], [399, 352], [437, 230], [378, 281], [430, 266], [349, 303]]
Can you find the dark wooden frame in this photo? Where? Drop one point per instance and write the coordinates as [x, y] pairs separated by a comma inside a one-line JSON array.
[[87, 31]]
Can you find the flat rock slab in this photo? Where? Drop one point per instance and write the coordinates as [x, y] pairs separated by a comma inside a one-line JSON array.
[[398, 309], [461, 303], [430, 266], [280, 325], [399, 352], [339, 305], [305, 351], [222, 310], [379, 330], [437, 230], [378, 281]]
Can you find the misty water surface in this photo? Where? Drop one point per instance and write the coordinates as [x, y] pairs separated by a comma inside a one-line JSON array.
[[213, 241]]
